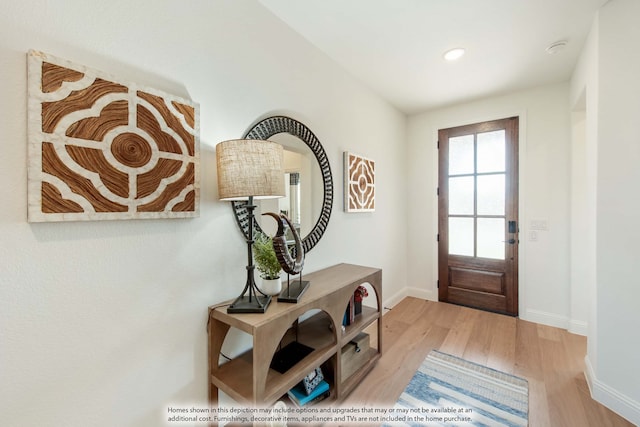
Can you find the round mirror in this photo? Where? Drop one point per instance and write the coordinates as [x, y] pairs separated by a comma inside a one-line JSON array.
[[308, 180]]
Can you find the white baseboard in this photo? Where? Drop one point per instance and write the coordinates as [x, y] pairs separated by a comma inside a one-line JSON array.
[[578, 327], [422, 293], [611, 398], [549, 319], [391, 301]]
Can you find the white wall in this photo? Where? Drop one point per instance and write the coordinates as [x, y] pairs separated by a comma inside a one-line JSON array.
[[615, 376], [545, 142], [584, 104], [581, 274], [103, 323]]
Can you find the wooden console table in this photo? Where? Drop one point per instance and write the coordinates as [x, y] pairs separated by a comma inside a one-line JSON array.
[[248, 378]]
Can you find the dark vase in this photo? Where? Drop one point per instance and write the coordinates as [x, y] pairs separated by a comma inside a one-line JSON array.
[[357, 306]]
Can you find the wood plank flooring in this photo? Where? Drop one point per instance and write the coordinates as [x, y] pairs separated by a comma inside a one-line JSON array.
[[551, 359]]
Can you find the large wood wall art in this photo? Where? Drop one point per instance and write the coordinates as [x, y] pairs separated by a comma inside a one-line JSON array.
[[359, 183], [100, 149]]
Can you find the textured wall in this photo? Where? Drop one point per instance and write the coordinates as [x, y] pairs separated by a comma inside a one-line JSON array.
[[103, 323]]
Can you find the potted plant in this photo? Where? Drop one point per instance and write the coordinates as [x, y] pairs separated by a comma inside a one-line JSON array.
[[267, 264]]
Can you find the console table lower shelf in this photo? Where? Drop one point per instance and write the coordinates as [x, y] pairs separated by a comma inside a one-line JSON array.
[[249, 378]]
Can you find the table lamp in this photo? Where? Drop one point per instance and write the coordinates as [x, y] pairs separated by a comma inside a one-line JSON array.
[[250, 170]]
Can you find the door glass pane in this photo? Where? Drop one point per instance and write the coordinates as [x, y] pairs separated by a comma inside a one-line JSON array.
[[461, 155], [490, 238], [461, 236], [491, 151], [461, 195], [491, 192]]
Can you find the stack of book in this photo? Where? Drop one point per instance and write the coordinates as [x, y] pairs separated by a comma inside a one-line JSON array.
[[300, 398]]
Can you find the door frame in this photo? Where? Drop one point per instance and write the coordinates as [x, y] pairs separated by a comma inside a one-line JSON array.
[[522, 194]]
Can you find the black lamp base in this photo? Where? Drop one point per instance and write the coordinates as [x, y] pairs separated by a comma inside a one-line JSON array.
[[293, 291], [257, 304], [255, 301]]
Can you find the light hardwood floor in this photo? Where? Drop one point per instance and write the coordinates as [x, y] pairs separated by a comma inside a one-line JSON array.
[[551, 359]]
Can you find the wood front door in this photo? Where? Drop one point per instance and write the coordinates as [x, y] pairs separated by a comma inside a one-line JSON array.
[[478, 216]]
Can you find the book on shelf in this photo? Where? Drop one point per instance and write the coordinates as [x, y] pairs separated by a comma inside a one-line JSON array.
[[349, 313], [300, 398]]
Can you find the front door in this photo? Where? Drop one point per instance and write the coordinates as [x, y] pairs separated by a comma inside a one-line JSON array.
[[478, 216]]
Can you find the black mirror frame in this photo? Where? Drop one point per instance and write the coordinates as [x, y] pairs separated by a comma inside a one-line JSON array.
[[265, 129]]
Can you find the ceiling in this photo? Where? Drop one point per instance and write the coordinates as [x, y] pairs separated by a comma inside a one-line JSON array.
[[396, 46]]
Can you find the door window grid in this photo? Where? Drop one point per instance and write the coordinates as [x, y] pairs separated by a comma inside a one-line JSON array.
[[474, 230]]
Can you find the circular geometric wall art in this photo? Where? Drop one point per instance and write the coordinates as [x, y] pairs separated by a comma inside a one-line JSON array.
[[359, 183], [100, 149]]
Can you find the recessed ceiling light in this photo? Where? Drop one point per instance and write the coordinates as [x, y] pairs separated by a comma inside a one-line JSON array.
[[453, 54], [556, 47]]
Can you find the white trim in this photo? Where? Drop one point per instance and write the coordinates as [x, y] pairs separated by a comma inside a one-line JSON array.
[[549, 319], [522, 211], [422, 293], [611, 398], [588, 373], [578, 327], [393, 300], [574, 326], [407, 291]]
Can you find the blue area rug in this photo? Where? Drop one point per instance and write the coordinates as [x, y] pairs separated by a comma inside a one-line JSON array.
[[449, 391]]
